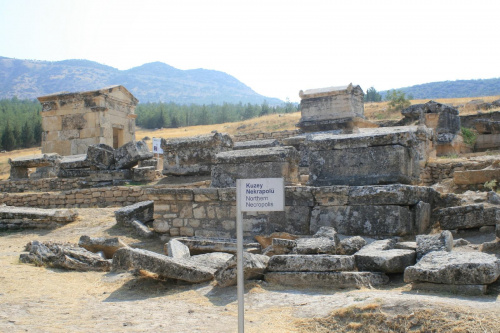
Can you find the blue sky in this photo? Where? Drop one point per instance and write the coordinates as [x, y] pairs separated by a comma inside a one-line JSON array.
[[275, 47]]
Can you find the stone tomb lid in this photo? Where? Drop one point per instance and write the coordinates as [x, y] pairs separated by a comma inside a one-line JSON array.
[[200, 141], [368, 137], [92, 93], [33, 161], [328, 91], [258, 155]]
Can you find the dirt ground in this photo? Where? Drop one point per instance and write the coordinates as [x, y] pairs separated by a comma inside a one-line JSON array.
[[36, 299]]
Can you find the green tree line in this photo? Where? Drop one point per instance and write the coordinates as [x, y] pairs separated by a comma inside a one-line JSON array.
[[20, 123], [171, 115]]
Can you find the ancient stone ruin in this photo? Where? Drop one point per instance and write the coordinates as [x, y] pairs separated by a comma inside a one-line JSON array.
[[73, 121], [362, 204]]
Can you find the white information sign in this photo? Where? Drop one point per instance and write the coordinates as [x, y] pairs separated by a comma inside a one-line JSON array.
[[261, 194], [157, 146]]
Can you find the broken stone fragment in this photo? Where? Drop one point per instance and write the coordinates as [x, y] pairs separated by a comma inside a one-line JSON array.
[[129, 155], [266, 241], [64, 256], [107, 245], [380, 256], [140, 228], [254, 266], [438, 242], [350, 245], [101, 157], [311, 263], [163, 266], [142, 211], [176, 249], [283, 246], [454, 268], [213, 260]]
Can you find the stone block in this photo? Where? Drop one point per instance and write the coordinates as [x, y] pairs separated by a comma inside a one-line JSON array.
[[256, 144], [107, 245], [165, 267], [327, 279], [311, 263], [101, 156], [129, 155], [254, 266], [471, 177], [364, 220], [142, 211], [274, 162], [176, 249], [461, 268], [318, 245], [350, 245], [380, 256], [331, 195], [438, 242], [454, 289], [467, 216], [140, 228]]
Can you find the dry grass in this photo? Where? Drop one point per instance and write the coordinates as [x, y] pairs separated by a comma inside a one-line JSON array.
[[4, 159], [372, 318]]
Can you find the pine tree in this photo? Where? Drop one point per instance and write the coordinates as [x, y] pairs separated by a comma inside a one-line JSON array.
[[8, 139]]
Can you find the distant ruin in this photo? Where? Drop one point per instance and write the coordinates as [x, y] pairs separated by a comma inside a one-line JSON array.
[[73, 121]]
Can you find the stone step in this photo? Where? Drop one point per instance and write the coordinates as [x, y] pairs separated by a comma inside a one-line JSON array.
[[311, 263]]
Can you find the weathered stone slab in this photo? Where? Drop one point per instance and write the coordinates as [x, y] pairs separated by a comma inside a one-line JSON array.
[[327, 279], [19, 166], [64, 256], [273, 162], [256, 144], [364, 220], [491, 247], [375, 157], [283, 246], [129, 155], [180, 269], [429, 243], [394, 194], [380, 256], [455, 268], [176, 249], [254, 266], [468, 216], [350, 245], [74, 173], [455, 289], [28, 217], [267, 240], [144, 174], [101, 156], [212, 260], [74, 162], [193, 155], [319, 245], [311, 263], [107, 245], [140, 228], [204, 245], [142, 211], [487, 126]]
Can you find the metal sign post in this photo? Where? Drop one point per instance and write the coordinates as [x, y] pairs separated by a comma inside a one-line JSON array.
[[253, 195]]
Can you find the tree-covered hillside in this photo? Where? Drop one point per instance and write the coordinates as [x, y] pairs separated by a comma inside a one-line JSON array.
[[20, 123], [453, 89]]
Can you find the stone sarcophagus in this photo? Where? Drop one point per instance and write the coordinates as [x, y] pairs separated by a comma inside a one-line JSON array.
[[373, 157], [193, 155], [333, 108], [73, 121], [273, 162]]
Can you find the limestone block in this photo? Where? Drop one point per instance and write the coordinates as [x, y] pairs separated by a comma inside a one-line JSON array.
[[393, 194], [142, 211], [487, 141], [455, 268], [256, 144], [311, 263], [212, 260], [161, 226], [364, 220], [467, 216], [52, 123], [274, 162], [454, 289], [140, 228], [380, 256], [176, 249], [198, 245], [350, 245], [165, 267], [318, 245], [129, 155], [468, 177], [107, 245], [254, 266], [74, 162], [487, 126], [101, 156], [327, 279], [282, 246], [438, 242], [331, 195]]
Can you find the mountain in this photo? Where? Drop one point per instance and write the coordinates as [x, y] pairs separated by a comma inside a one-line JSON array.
[[453, 89], [153, 82]]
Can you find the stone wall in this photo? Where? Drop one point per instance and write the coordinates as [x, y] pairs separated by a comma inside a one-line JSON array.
[[392, 210], [40, 185], [268, 135], [78, 198]]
